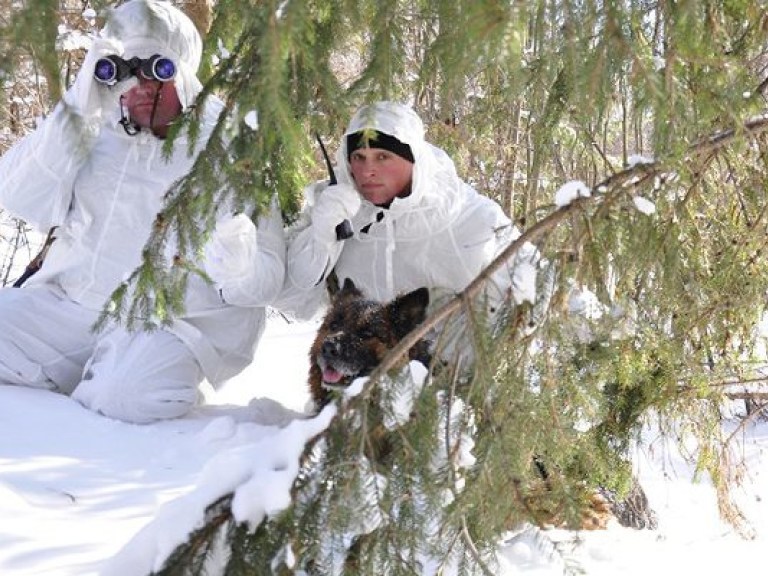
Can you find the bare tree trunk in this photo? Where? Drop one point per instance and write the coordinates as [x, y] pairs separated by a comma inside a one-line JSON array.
[[200, 12]]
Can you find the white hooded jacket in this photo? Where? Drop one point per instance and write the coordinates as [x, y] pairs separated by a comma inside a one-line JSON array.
[[104, 200], [440, 236]]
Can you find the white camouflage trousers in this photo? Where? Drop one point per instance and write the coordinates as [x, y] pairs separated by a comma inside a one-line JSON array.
[[46, 341]]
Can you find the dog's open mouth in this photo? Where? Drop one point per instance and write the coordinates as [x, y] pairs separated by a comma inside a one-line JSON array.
[[332, 376], [335, 377], [337, 372]]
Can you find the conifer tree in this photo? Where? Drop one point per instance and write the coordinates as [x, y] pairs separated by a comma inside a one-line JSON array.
[[656, 108]]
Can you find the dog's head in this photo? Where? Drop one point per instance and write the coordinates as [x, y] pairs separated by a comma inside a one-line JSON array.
[[357, 333]]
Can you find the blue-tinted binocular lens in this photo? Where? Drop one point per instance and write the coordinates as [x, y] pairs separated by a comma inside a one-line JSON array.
[[113, 69]]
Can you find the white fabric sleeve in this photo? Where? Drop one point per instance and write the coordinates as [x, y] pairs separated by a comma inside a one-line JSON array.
[[309, 260], [36, 175], [312, 245], [308, 264], [518, 276], [486, 232], [38, 172], [255, 270]]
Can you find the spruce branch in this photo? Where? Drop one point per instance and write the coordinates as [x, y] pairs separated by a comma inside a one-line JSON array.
[[611, 188], [189, 558], [473, 289]]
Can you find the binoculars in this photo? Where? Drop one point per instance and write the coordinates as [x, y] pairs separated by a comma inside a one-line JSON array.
[[113, 69]]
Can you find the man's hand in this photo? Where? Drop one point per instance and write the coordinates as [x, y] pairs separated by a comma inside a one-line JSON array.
[[333, 205], [230, 254], [86, 95]]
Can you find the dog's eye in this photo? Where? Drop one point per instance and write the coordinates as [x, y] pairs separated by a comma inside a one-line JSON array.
[[366, 333]]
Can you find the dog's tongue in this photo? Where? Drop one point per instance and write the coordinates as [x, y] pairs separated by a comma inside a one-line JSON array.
[[332, 376]]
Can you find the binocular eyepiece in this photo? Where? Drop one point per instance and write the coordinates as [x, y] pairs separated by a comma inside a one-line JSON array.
[[113, 69]]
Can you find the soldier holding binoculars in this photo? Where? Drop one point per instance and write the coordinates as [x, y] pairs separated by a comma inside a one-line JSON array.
[[96, 172], [153, 102]]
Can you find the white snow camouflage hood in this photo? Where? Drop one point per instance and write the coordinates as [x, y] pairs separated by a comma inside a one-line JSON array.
[[148, 27], [436, 188]]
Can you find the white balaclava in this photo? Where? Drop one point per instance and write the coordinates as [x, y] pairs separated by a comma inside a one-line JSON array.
[[148, 27]]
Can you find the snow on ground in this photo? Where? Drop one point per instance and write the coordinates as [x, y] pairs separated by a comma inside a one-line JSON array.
[[76, 488]]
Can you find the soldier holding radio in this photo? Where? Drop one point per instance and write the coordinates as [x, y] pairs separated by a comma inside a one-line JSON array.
[[95, 170]]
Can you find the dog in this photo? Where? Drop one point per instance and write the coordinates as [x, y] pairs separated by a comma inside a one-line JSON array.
[[356, 334]]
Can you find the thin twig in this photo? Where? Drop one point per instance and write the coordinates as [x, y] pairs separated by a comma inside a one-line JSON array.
[[472, 548]]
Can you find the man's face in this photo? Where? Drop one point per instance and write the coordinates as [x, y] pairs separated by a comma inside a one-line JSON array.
[[380, 175], [140, 100]]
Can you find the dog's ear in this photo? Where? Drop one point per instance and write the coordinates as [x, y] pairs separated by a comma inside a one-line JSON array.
[[349, 284], [349, 289], [409, 310]]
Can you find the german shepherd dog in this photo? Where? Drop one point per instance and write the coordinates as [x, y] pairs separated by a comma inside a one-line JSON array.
[[357, 333]]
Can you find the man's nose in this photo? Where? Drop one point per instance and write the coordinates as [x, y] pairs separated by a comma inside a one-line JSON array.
[[369, 167], [146, 86]]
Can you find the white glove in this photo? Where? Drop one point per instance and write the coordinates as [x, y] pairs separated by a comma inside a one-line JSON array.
[[230, 255], [86, 96], [332, 206]]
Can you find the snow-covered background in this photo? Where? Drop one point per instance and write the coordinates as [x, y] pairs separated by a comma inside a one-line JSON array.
[[82, 495]]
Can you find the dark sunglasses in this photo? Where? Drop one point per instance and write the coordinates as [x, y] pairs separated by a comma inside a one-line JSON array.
[[113, 69]]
